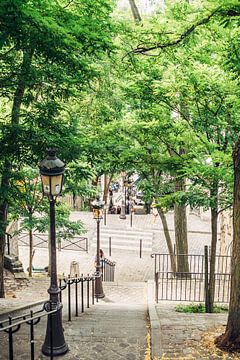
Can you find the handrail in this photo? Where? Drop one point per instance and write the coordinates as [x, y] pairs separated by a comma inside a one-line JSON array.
[[67, 282], [31, 319]]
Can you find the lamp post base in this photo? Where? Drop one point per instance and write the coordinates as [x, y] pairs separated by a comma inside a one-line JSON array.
[[54, 343], [99, 294]]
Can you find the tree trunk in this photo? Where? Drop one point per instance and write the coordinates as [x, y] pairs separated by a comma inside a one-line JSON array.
[[105, 190], [180, 225], [3, 226], [230, 340], [135, 12], [30, 253], [3, 220], [211, 285], [17, 101], [168, 239]]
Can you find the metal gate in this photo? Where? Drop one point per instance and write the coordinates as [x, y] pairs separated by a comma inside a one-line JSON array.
[[190, 285]]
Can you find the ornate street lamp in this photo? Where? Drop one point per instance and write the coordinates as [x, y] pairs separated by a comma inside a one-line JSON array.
[[98, 206], [123, 204], [52, 170]]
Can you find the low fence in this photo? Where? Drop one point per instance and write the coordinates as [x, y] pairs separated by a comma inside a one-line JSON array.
[[77, 243], [107, 269], [189, 281], [13, 324], [79, 296], [79, 291]]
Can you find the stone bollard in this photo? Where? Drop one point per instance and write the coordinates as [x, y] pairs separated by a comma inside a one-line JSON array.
[[74, 269]]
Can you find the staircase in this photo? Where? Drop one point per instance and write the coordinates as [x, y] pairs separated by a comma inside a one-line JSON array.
[[123, 240]]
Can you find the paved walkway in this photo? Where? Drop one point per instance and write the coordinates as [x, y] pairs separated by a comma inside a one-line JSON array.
[[117, 327]]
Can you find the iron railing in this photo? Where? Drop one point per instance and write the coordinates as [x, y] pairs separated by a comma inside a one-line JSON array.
[[107, 269], [79, 292], [77, 243], [190, 285], [13, 324]]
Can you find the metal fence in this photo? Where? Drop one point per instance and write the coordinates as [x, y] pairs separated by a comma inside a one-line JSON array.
[[77, 243], [107, 269], [13, 324], [79, 293], [188, 282], [79, 296]]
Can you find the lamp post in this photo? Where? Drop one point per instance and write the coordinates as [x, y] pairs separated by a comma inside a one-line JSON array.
[[52, 170], [123, 204], [98, 206]]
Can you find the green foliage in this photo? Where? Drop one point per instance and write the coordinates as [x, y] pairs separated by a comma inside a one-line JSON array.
[[200, 308]]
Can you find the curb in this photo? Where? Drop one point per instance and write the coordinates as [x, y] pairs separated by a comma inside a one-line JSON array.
[[13, 310], [155, 328]]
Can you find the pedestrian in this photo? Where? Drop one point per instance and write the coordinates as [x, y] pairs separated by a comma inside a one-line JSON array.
[[101, 258]]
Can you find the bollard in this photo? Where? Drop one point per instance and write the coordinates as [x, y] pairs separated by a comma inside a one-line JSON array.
[[110, 246], [140, 248]]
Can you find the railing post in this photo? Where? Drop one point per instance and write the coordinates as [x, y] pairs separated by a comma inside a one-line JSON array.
[[131, 217], [87, 290], [110, 246], [206, 292], [51, 332], [69, 298], [93, 288], [10, 339], [32, 336], [76, 296], [82, 296]]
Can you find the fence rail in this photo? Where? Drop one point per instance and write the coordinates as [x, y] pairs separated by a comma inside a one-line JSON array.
[[107, 269], [77, 243], [188, 281], [79, 293], [13, 324]]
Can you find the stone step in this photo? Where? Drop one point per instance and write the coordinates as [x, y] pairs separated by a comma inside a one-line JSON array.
[[125, 232], [125, 235], [114, 241], [125, 247]]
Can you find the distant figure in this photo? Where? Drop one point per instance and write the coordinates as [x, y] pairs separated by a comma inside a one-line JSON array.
[[101, 257], [118, 209]]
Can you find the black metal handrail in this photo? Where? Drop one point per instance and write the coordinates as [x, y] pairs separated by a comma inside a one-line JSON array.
[[82, 295], [107, 269], [32, 319]]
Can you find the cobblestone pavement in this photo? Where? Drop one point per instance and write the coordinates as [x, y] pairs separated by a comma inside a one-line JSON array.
[[181, 334], [115, 328]]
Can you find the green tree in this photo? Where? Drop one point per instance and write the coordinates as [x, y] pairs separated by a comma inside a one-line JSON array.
[[48, 53]]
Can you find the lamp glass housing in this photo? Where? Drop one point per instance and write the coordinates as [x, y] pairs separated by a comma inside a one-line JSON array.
[[97, 213], [52, 184], [98, 206]]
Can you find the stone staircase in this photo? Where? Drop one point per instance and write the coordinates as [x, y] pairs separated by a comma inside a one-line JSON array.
[[123, 240]]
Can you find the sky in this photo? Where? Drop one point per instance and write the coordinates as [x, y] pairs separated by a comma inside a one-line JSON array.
[[145, 6]]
